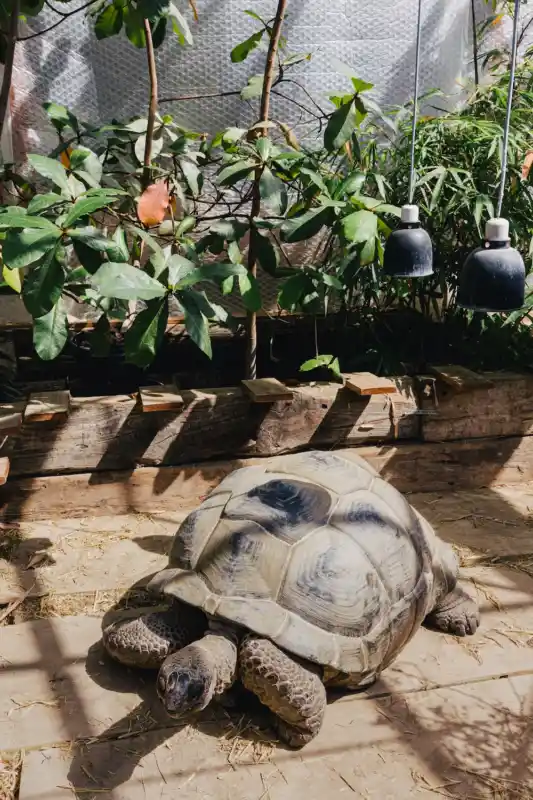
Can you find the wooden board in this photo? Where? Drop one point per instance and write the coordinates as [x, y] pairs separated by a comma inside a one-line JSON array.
[[160, 398], [409, 467], [11, 417], [503, 409], [460, 378], [365, 383], [103, 433], [46, 406], [4, 470], [267, 390]]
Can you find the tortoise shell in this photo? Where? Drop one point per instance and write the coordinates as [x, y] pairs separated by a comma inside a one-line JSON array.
[[314, 551]]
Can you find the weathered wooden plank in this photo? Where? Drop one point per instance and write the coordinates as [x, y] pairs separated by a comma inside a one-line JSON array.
[[160, 398], [4, 470], [267, 390], [46, 406], [366, 383], [11, 417], [410, 467], [106, 433], [460, 378], [503, 409]]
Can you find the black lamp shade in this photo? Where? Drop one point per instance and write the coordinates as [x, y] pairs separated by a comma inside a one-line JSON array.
[[493, 278], [408, 252]]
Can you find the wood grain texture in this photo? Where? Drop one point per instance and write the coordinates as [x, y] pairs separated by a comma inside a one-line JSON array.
[[11, 415], [160, 398], [106, 433], [266, 390], [460, 378], [503, 409], [47, 406], [432, 467], [4, 470], [366, 383]]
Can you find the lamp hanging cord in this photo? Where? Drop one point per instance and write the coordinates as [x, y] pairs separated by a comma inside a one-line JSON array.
[[415, 105], [507, 125]]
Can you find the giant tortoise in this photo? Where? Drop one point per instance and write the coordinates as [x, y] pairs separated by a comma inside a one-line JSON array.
[[308, 572]]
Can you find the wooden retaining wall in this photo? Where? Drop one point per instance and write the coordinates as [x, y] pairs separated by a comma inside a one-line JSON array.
[[108, 456]]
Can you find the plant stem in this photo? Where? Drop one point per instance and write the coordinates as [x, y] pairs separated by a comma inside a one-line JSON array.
[[475, 44], [11, 44], [152, 108], [251, 344]]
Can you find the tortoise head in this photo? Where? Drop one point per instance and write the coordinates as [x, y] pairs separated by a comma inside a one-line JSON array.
[[186, 681]]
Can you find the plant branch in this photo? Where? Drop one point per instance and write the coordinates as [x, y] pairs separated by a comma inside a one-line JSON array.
[[199, 96], [11, 44], [251, 344], [64, 16], [152, 108]]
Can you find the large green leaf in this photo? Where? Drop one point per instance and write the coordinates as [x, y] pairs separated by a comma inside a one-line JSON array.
[[233, 173], [193, 176], [119, 252], [340, 127], [181, 272], [84, 206], [360, 226], [328, 361], [134, 26], [293, 290], [12, 278], [180, 25], [43, 286], [250, 292], [43, 201], [241, 51], [196, 323], [230, 229], [273, 192], [93, 238], [267, 254], [50, 332], [51, 169], [90, 259], [126, 282], [109, 21], [143, 339], [253, 88], [306, 225], [21, 248], [17, 218]]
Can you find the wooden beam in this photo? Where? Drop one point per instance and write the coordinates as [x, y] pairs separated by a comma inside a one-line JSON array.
[[11, 417], [4, 470], [409, 467], [46, 406], [460, 378], [267, 390], [504, 408], [160, 398], [103, 433], [365, 383]]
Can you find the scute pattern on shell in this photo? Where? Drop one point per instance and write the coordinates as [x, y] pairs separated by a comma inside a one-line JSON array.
[[314, 551]]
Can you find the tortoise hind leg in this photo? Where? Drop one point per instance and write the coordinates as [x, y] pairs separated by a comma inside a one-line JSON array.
[[292, 690], [456, 613], [147, 640]]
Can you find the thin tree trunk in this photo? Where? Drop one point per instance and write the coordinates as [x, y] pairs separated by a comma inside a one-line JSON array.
[[152, 108], [10, 59], [251, 349]]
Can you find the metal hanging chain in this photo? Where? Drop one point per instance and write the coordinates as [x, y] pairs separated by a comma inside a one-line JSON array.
[[509, 107], [415, 105]]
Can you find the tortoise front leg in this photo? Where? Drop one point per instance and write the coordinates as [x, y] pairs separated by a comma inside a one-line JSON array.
[[146, 641], [456, 613], [291, 689]]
